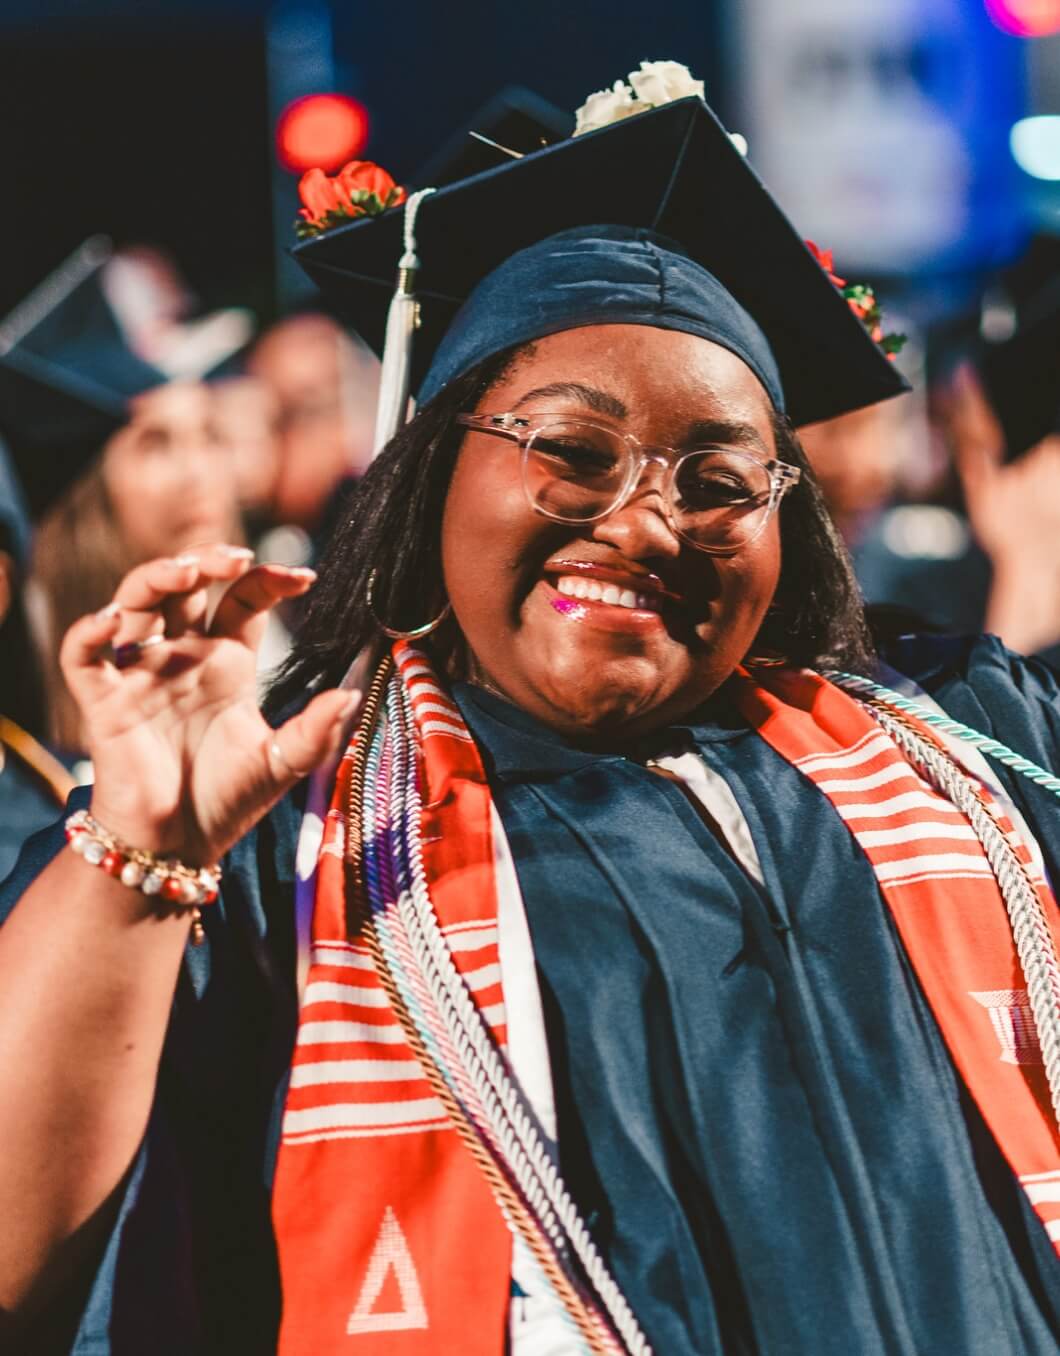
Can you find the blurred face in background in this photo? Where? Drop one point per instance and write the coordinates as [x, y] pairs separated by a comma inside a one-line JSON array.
[[861, 459], [246, 414], [169, 475], [324, 386]]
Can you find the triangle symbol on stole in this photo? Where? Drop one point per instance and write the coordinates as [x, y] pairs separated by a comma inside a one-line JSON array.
[[390, 1255]]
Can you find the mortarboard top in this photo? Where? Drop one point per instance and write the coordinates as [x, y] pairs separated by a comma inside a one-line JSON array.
[[54, 421], [516, 118], [672, 170], [1021, 374], [66, 376]]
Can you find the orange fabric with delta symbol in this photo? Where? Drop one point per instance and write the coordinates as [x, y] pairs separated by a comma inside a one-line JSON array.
[[389, 1238]]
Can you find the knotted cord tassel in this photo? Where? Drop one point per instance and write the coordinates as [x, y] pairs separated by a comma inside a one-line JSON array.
[[395, 377]]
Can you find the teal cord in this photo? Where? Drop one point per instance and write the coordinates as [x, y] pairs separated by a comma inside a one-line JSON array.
[[864, 687]]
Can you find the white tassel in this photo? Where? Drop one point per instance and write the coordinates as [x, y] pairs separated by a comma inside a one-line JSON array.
[[401, 320]]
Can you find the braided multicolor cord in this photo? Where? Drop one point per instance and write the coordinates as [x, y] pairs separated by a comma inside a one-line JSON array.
[[446, 1030]]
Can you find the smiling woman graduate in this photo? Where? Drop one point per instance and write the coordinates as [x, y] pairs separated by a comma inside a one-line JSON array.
[[659, 993]]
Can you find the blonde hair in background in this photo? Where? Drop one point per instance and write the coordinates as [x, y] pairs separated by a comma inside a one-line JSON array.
[[79, 557]]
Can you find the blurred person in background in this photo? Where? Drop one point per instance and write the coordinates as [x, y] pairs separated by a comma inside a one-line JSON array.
[[956, 525], [320, 388], [862, 461], [323, 385], [162, 483], [1001, 415], [881, 471], [246, 414], [139, 459]]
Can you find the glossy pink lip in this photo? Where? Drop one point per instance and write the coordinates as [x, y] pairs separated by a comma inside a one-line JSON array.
[[645, 582]]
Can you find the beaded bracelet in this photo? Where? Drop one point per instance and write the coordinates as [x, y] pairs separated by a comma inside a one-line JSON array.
[[183, 887]]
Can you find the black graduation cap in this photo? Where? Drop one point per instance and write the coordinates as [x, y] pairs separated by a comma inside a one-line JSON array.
[[673, 170], [66, 376], [516, 120], [1021, 374]]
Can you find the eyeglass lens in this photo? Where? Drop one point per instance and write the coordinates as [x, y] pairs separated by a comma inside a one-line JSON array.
[[577, 472]]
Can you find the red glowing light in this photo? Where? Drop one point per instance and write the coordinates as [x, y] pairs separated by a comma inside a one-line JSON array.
[[1025, 18], [322, 130]]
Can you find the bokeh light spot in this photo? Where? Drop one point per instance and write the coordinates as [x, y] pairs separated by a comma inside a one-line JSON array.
[[1025, 18], [322, 130], [1035, 145]]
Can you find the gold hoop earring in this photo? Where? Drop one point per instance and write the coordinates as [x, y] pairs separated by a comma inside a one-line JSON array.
[[417, 631], [768, 660]]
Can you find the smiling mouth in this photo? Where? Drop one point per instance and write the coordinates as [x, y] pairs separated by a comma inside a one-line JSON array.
[[597, 591]]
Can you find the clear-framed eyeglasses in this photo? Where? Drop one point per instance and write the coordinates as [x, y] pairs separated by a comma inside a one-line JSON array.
[[718, 499]]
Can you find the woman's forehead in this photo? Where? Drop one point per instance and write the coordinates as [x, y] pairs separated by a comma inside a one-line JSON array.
[[615, 370], [175, 400]]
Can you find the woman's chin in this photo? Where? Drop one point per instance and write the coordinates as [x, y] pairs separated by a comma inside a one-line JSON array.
[[606, 697]]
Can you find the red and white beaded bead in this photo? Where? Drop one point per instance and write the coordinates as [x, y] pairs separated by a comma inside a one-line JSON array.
[[171, 882]]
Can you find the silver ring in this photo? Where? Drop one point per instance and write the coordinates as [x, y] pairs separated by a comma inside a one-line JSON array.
[[132, 651]]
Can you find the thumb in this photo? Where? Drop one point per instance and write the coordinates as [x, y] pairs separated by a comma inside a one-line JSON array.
[[316, 733]]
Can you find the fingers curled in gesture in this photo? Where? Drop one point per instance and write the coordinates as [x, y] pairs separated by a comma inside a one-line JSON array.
[[240, 613], [125, 656], [173, 589], [299, 745]]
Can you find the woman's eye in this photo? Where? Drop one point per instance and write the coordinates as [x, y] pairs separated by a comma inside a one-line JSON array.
[[574, 455], [716, 489], [152, 440]]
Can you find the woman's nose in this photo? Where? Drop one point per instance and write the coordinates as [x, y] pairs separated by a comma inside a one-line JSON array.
[[640, 528]]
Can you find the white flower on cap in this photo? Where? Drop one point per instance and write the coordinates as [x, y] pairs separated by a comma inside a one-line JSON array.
[[659, 82], [606, 106]]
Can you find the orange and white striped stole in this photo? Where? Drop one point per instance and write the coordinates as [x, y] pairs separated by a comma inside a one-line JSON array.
[[935, 878], [390, 1241]]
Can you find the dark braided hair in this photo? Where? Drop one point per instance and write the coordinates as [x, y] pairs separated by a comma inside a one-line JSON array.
[[393, 526]]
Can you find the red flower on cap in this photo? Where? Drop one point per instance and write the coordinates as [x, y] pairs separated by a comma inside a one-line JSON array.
[[861, 300], [824, 258], [360, 189]]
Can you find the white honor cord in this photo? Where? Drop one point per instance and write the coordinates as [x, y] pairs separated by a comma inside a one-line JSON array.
[[1027, 920]]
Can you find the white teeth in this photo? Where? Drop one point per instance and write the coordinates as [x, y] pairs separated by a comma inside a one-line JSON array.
[[595, 592]]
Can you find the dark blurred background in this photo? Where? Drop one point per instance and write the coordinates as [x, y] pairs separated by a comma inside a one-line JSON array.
[[879, 119], [158, 122]]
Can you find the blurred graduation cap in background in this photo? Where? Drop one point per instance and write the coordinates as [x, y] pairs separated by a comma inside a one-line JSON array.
[[672, 170], [1021, 373], [68, 373]]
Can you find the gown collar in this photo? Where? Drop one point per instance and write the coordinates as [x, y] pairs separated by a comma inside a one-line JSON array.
[[518, 747]]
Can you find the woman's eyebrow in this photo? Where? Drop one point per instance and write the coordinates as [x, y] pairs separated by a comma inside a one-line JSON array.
[[599, 401], [730, 434]]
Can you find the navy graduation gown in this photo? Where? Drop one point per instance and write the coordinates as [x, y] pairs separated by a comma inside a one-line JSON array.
[[757, 1113]]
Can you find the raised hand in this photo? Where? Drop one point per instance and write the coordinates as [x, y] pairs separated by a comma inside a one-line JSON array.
[[184, 761], [1014, 511]]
